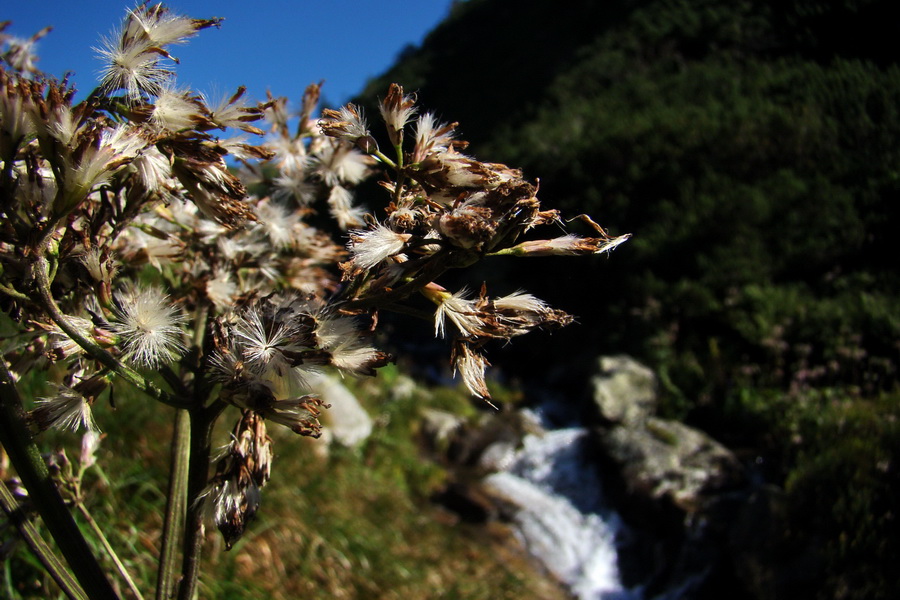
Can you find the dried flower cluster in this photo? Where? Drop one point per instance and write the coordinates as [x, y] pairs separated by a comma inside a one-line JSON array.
[[129, 242], [242, 470], [448, 210]]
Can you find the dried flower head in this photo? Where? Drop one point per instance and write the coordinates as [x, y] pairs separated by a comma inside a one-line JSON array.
[[397, 109], [232, 496], [347, 123], [369, 248], [67, 409], [148, 326], [132, 55], [471, 367]]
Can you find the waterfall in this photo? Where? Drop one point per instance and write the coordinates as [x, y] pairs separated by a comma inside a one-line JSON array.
[[560, 515]]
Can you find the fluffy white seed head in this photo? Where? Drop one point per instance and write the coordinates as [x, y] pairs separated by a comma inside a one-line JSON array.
[[148, 326], [370, 248]]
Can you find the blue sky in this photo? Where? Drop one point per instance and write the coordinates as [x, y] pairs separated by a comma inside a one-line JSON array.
[[276, 45]]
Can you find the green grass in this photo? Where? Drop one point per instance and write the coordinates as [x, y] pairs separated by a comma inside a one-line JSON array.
[[341, 523]]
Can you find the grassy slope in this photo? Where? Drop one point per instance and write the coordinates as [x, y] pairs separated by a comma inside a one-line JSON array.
[[337, 524]]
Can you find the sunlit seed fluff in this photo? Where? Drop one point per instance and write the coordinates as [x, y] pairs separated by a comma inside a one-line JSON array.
[[261, 341], [459, 169], [276, 114], [300, 415], [62, 344], [61, 124], [233, 112], [397, 109], [521, 302], [405, 217], [222, 290], [20, 53], [148, 326], [294, 188], [14, 112], [613, 243], [348, 122], [340, 205], [233, 495], [340, 164], [432, 136], [278, 223], [397, 119], [238, 147], [471, 367], [159, 26], [98, 266], [358, 359], [340, 198], [99, 161], [370, 248], [68, 409], [290, 155], [332, 331], [227, 366], [461, 312], [174, 110], [131, 66], [232, 504], [567, 245], [152, 168], [151, 248]]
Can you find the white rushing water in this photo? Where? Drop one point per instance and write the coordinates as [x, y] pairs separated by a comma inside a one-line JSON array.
[[560, 515]]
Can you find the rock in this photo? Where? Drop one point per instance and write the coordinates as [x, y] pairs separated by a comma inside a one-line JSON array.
[[624, 390], [468, 501], [668, 458], [439, 428], [687, 498], [498, 456], [346, 422]]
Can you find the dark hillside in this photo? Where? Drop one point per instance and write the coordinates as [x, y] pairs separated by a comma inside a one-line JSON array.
[[753, 149], [752, 153]]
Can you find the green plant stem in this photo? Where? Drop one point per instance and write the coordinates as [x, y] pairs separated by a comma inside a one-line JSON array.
[[42, 284], [176, 507], [120, 567], [202, 421], [398, 150], [11, 292], [26, 458], [40, 548], [384, 158]]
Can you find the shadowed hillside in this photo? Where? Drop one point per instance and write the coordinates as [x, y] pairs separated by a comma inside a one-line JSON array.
[[752, 148]]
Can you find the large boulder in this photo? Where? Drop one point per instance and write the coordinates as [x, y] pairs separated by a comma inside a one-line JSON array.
[[664, 458], [624, 391], [699, 523]]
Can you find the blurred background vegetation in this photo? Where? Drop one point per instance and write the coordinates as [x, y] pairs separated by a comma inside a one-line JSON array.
[[753, 149]]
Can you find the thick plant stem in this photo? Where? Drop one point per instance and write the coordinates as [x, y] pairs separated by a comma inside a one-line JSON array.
[[26, 458], [202, 422], [39, 547], [176, 507]]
